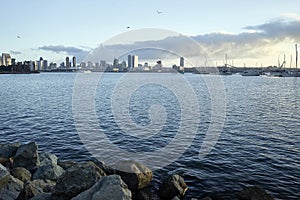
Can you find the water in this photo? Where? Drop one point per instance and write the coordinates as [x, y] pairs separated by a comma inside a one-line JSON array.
[[259, 144]]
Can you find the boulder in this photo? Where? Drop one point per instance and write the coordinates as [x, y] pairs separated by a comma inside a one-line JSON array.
[[206, 198], [34, 188], [107, 188], [66, 164], [10, 187], [76, 180], [8, 150], [106, 168], [42, 196], [47, 159], [172, 186], [27, 156], [49, 172], [254, 193], [21, 174], [134, 174]]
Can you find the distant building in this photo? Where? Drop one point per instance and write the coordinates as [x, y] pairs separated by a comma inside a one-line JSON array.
[[83, 65], [0, 60], [74, 61], [68, 64], [42, 64], [6, 59], [181, 62], [13, 61], [129, 61], [135, 61], [116, 62], [90, 64]]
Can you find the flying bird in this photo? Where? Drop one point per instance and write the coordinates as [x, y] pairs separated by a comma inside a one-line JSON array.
[[18, 37], [128, 27], [158, 12]]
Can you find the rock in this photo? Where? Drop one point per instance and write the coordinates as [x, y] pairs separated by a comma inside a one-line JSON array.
[[77, 179], [107, 188], [47, 159], [254, 193], [49, 172], [42, 196], [206, 198], [21, 174], [134, 174], [143, 194], [67, 164], [8, 150], [172, 186], [107, 169], [176, 198], [27, 156], [10, 187], [35, 187]]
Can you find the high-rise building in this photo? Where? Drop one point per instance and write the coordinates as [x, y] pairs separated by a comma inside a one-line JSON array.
[[6, 59], [42, 64], [74, 61], [116, 62], [135, 61], [181, 62], [68, 64], [0, 60], [129, 61]]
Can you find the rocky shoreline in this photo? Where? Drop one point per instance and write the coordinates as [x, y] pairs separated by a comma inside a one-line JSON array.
[[26, 173]]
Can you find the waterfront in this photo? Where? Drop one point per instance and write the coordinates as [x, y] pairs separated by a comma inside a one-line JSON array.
[[259, 144]]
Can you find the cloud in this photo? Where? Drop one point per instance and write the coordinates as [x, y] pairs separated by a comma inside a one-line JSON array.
[[257, 43], [78, 52], [15, 52]]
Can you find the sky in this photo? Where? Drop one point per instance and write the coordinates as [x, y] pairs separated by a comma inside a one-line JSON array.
[[251, 33]]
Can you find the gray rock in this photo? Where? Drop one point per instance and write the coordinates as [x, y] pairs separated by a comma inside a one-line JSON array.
[[172, 186], [27, 156], [34, 188], [176, 198], [42, 196], [254, 193], [10, 187], [76, 180], [134, 174], [66, 164], [49, 172], [109, 187], [106, 168], [47, 159], [21, 174], [4, 175], [8, 150]]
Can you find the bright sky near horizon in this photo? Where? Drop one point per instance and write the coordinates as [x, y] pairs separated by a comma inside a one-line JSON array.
[[29, 26]]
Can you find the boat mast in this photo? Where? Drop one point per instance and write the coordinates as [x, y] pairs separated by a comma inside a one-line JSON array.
[[296, 55]]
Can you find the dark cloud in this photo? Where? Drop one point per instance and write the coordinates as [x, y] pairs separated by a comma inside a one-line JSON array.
[[15, 52], [78, 52]]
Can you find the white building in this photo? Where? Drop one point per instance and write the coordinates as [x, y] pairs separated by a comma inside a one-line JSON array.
[[6, 59]]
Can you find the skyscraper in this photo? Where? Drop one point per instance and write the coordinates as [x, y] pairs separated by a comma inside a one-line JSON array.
[[68, 64], [135, 61], [6, 59], [129, 61], [74, 61], [181, 62]]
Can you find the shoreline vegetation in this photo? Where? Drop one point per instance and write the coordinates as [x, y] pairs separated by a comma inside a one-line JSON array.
[[26, 173]]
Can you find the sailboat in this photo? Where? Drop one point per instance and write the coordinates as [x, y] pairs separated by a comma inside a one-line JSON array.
[[282, 72]]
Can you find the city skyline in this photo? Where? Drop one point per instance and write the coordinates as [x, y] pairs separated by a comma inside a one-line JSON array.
[[255, 33]]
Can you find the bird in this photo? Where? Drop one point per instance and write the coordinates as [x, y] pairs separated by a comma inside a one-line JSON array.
[[158, 12], [18, 37], [128, 27]]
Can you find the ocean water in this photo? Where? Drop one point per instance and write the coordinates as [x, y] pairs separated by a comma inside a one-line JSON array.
[[258, 144]]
